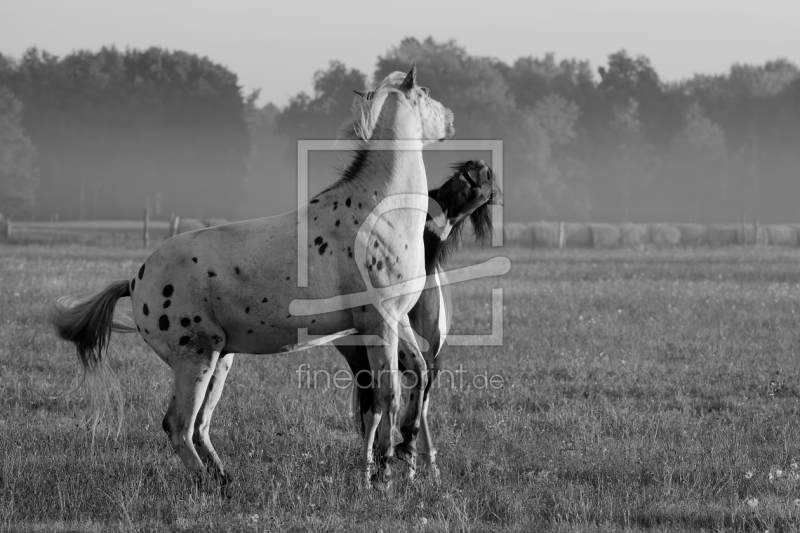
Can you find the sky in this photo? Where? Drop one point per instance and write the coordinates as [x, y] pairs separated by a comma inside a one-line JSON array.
[[277, 46]]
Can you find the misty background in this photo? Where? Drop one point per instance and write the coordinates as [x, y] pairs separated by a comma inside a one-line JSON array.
[[99, 134]]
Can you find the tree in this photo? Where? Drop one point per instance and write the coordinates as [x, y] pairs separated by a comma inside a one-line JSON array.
[[320, 116], [114, 129], [472, 87], [633, 164], [19, 175]]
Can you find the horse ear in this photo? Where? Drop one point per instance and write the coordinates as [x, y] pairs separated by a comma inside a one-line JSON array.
[[411, 78]]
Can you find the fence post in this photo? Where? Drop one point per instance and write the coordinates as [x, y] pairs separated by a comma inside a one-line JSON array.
[[561, 235], [7, 229], [744, 230], [175, 224], [146, 233], [755, 232]]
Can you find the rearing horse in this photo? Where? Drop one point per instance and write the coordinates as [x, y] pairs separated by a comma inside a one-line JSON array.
[[468, 193], [205, 295]]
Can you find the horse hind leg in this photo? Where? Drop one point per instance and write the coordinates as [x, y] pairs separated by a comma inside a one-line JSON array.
[[426, 447], [202, 424], [192, 374]]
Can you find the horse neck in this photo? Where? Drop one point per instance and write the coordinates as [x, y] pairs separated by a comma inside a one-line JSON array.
[[402, 170]]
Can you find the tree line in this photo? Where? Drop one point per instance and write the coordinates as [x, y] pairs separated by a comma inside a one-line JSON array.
[[102, 133]]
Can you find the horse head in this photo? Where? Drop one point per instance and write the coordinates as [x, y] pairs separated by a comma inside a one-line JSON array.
[[468, 193], [435, 122]]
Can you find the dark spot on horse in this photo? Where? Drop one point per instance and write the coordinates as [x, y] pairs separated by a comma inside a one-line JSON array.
[[210, 386], [322, 248], [315, 218], [247, 310], [288, 278], [313, 320], [133, 284], [369, 268], [194, 259], [376, 244], [373, 260], [238, 271], [376, 193], [337, 223], [359, 205], [349, 252], [145, 310], [315, 200], [167, 292], [211, 274], [289, 315], [185, 322], [197, 319], [318, 241], [364, 308], [198, 380], [218, 298], [137, 329], [335, 205], [141, 272], [402, 355], [147, 331], [205, 300], [163, 323], [355, 222], [167, 303], [264, 301], [200, 351], [184, 340], [249, 331], [347, 202], [262, 322], [406, 247], [216, 338], [399, 276], [380, 265]]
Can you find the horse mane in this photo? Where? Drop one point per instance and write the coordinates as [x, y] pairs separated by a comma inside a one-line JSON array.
[[361, 126], [481, 219]]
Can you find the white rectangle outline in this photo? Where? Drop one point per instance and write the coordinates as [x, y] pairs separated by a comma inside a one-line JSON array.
[[304, 146]]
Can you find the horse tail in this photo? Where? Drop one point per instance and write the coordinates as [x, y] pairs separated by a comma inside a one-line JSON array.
[[88, 321]]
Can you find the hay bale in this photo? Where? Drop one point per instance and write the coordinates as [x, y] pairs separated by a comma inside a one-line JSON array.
[[545, 234], [721, 235], [189, 224], [781, 235], [519, 233], [635, 235], [577, 235], [606, 235], [665, 235], [692, 234]]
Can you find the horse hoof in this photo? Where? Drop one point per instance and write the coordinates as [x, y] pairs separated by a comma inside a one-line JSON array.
[[226, 486]]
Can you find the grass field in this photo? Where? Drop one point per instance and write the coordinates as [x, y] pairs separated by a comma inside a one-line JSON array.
[[650, 390]]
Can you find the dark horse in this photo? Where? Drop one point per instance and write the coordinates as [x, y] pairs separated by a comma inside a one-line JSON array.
[[468, 193]]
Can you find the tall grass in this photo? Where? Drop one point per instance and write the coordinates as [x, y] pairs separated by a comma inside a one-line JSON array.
[[641, 391]]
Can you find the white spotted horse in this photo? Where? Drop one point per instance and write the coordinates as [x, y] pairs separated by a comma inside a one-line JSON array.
[[204, 295], [468, 193]]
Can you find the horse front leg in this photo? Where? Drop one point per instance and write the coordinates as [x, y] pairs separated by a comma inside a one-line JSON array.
[[382, 427], [410, 355]]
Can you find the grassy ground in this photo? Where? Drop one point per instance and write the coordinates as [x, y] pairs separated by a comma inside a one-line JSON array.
[[650, 390]]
